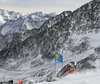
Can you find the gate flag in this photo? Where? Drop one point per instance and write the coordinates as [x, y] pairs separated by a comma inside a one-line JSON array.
[[58, 58]]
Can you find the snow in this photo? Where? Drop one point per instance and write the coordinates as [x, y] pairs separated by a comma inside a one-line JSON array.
[[27, 22], [33, 16], [66, 14], [88, 77], [92, 37], [2, 20], [26, 69], [6, 30]]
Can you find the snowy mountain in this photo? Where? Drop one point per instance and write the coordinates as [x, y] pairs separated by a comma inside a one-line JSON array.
[[12, 22], [75, 33], [8, 15]]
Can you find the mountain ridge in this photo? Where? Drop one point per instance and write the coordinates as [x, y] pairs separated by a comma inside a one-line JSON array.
[[12, 23]]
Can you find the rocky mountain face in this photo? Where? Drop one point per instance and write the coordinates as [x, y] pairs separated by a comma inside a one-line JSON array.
[[76, 33], [11, 22], [11, 39]]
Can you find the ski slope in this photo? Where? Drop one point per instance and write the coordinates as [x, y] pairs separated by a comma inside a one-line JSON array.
[[88, 77]]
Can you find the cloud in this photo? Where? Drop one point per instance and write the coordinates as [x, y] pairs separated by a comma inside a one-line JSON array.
[[24, 10], [3, 0], [47, 6]]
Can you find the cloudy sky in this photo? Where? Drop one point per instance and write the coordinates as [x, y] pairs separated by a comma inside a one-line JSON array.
[[46, 6]]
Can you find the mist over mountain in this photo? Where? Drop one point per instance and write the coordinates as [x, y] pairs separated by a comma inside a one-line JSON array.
[[75, 33]]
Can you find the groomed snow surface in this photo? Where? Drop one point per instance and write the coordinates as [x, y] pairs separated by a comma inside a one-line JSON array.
[[87, 77]]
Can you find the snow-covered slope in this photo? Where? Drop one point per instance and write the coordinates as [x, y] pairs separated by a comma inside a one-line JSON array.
[[89, 77]]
